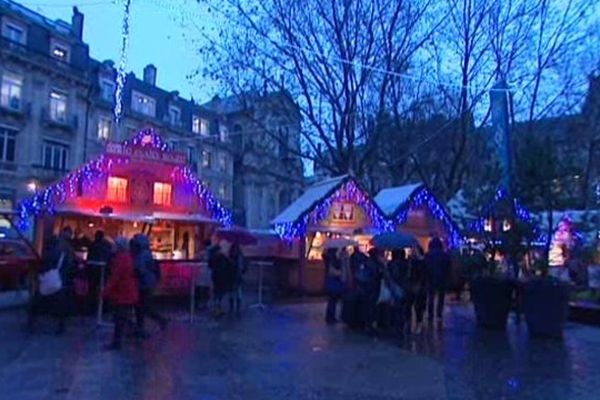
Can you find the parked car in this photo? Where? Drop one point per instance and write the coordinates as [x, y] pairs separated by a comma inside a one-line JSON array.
[[16, 258]]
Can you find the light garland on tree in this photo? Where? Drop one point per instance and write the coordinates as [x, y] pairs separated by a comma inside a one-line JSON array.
[[347, 192], [521, 212], [423, 196], [121, 72]]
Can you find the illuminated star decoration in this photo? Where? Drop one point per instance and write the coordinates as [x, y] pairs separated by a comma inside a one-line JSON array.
[[121, 73], [424, 197], [350, 192], [100, 168]]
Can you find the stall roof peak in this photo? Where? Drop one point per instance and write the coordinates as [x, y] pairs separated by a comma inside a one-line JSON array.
[[309, 199], [393, 199]]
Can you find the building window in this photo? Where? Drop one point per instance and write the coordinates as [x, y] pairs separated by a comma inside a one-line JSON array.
[[223, 162], [104, 124], [116, 189], [174, 115], [58, 106], [55, 155], [8, 139], [200, 125], [223, 133], [222, 191], [12, 86], [143, 104], [60, 50], [107, 90], [190, 154], [14, 32], [206, 159], [162, 193], [6, 200]]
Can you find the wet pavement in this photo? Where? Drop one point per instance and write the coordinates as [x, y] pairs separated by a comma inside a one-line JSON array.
[[287, 352]]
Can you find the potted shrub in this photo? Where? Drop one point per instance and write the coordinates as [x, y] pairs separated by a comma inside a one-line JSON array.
[[546, 305], [492, 299]]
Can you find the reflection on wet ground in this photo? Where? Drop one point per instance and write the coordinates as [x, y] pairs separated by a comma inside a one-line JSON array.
[[287, 352]]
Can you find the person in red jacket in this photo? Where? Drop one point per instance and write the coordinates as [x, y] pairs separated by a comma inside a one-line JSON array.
[[121, 289]]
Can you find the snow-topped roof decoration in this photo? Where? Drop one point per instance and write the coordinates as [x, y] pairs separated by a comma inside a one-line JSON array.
[[315, 202], [391, 200], [397, 202]]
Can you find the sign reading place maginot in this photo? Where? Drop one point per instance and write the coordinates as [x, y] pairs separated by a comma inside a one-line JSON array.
[[148, 154]]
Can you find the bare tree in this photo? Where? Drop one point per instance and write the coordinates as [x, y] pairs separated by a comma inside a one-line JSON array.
[[337, 58]]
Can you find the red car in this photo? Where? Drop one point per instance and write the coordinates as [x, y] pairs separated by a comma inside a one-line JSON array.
[[16, 258]]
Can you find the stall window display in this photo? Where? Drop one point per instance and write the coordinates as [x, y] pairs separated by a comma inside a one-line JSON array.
[[117, 189]]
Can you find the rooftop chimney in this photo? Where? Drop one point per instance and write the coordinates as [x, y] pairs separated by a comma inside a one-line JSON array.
[[77, 23], [150, 74]]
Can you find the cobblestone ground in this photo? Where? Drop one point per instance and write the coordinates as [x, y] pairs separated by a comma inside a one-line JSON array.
[[287, 352]]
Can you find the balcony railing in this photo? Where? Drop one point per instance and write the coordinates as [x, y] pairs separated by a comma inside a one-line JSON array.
[[62, 121], [15, 107], [47, 174]]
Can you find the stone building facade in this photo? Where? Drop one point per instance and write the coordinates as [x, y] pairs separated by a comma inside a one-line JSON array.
[[44, 99], [265, 138], [56, 112]]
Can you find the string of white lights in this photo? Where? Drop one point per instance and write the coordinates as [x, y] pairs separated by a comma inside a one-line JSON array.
[[122, 73]]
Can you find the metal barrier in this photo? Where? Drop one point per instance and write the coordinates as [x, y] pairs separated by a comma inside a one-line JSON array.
[[260, 265]]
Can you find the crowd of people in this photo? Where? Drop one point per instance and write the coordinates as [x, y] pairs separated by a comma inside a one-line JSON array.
[[65, 283], [130, 274], [385, 293]]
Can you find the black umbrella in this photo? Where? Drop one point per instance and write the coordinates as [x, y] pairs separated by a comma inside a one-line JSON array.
[[394, 240]]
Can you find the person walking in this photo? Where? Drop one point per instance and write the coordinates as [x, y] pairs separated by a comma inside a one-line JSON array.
[[437, 263], [239, 265], [50, 296], [334, 285], [122, 289], [148, 274], [416, 289]]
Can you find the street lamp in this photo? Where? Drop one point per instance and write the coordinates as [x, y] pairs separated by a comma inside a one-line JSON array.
[[32, 186]]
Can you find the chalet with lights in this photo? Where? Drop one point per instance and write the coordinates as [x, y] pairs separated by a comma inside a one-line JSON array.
[[331, 211], [414, 210], [136, 186]]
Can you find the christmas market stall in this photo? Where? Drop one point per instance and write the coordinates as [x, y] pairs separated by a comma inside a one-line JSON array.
[[137, 186], [414, 210], [336, 209]]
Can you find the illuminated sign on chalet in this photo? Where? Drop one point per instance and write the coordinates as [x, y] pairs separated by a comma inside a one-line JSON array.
[[147, 154]]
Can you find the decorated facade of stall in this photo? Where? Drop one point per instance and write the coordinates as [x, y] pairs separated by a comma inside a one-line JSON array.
[[414, 210], [333, 209], [136, 186]]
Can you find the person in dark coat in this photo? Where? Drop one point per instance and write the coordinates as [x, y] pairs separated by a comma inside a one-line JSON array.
[[122, 290], [416, 288], [99, 255], [148, 274], [53, 303], [398, 274], [437, 263], [223, 275], [368, 284], [357, 260], [333, 284]]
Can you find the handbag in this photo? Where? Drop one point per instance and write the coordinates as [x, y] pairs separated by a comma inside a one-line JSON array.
[[51, 281], [385, 295]]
